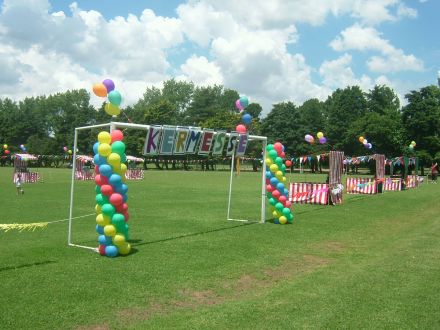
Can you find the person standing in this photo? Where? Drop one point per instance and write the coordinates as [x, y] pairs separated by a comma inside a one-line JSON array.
[[19, 184], [434, 172]]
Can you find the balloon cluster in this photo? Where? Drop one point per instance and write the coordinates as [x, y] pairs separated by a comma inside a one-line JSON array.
[[67, 151], [22, 147], [365, 142], [6, 151], [111, 194], [107, 89], [275, 177], [321, 138], [241, 104], [412, 145]]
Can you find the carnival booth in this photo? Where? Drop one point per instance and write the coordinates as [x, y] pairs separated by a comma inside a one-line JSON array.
[[20, 167], [84, 168], [329, 193], [134, 173], [404, 164], [368, 185]]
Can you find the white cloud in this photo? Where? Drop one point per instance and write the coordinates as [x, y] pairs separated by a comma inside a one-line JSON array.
[[201, 72], [362, 38]]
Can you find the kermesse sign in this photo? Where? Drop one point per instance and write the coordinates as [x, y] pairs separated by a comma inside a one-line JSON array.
[[177, 140]]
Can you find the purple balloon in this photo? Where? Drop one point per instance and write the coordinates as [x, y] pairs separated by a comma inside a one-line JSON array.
[[370, 145], [322, 140], [109, 85], [238, 105]]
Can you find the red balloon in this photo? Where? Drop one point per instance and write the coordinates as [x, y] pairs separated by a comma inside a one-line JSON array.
[[124, 207], [96, 169], [288, 163], [276, 194], [7, 152], [117, 135], [283, 155], [278, 147], [241, 129], [116, 199], [100, 180], [101, 249], [107, 189], [288, 204], [269, 188], [127, 216], [282, 199]]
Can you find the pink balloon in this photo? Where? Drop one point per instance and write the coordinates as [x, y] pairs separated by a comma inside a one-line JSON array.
[[106, 189], [241, 129], [269, 188], [276, 194], [238, 105], [282, 199], [288, 204], [278, 146]]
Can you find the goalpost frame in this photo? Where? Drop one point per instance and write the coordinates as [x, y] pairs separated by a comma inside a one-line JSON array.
[[113, 126]]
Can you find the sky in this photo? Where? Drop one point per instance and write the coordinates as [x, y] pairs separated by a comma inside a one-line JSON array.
[[270, 51]]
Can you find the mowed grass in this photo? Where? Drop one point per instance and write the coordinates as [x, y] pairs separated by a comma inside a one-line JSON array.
[[372, 262]]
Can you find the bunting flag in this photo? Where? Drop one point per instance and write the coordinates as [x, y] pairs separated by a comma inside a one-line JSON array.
[[23, 226], [308, 193], [361, 186]]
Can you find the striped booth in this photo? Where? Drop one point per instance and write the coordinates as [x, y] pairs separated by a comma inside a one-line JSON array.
[[84, 168], [20, 167], [392, 184], [134, 173], [321, 193], [412, 181], [361, 186]]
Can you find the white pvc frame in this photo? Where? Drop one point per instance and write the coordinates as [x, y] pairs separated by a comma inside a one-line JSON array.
[[114, 125]]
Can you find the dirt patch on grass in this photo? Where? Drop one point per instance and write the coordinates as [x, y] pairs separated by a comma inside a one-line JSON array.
[[94, 327], [330, 246]]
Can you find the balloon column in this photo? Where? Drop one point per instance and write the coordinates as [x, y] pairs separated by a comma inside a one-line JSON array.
[[111, 194], [275, 184], [412, 145], [107, 89], [365, 142]]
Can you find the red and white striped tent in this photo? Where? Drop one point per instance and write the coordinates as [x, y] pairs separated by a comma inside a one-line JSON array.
[[20, 166], [361, 186], [82, 172], [134, 173], [321, 193], [392, 184]]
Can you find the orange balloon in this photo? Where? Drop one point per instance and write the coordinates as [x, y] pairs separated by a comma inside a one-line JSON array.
[[100, 90]]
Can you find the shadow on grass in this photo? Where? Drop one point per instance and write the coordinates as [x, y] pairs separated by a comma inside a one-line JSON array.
[[3, 269], [194, 234]]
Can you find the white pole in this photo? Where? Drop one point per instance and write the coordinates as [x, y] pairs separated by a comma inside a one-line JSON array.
[[230, 182], [75, 141], [263, 185]]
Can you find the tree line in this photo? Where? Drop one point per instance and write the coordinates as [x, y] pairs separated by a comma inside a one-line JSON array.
[[45, 124]]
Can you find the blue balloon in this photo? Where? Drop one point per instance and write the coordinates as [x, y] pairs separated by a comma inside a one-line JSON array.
[[274, 181], [111, 251], [99, 160], [124, 197], [280, 187], [286, 192], [124, 189], [95, 147], [105, 240], [268, 174], [100, 229], [115, 179], [105, 170], [247, 118]]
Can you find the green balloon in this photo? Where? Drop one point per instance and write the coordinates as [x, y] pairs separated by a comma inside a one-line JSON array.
[[123, 158], [101, 199], [279, 206], [272, 201], [118, 147], [119, 221], [279, 161], [98, 189], [108, 209], [273, 154], [286, 212], [269, 147], [115, 98]]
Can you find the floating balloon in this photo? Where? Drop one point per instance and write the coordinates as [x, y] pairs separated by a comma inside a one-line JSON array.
[[244, 102], [238, 105], [320, 135], [100, 90], [246, 119], [361, 139], [104, 137], [115, 98], [69, 152], [5, 146], [65, 149], [112, 110], [109, 85], [322, 140], [116, 135], [7, 152], [241, 129]]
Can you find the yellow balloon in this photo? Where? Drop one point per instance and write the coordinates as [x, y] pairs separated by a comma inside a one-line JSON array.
[[361, 139], [114, 160], [123, 168], [98, 208], [104, 149], [109, 230], [123, 178], [5, 146], [284, 179], [124, 249], [102, 220], [282, 220], [112, 110], [69, 152], [273, 168], [119, 240], [320, 135], [104, 137], [274, 213], [268, 162]]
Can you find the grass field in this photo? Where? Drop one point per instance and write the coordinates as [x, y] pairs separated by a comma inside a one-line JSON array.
[[373, 262]]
